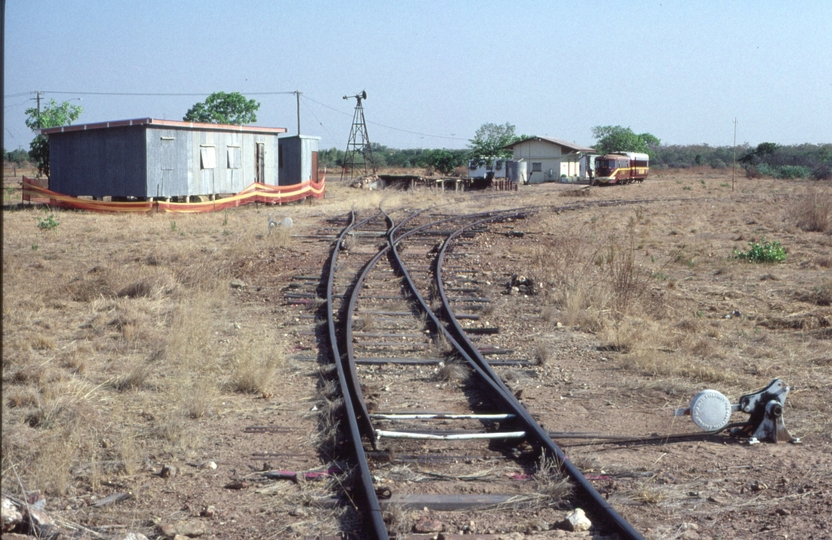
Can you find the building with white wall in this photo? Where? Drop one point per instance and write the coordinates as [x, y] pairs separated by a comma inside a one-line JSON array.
[[549, 160]]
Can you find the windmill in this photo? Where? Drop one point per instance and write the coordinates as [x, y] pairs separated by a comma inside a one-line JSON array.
[[358, 159]]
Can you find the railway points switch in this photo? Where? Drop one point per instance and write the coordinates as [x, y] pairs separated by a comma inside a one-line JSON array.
[[711, 411]]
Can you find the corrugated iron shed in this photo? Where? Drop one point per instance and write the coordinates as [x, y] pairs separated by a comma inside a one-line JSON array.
[[150, 158], [298, 159]]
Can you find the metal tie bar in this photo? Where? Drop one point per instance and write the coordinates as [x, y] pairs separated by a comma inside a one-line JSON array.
[[449, 436], [441, 416]]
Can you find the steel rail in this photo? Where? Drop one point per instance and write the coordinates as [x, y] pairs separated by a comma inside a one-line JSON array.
[[595, 498], [348, 377], [369, 430], [365, 419], [373, 510]]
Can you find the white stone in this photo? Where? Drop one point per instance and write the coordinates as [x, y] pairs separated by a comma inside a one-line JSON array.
[[134, 536], [577, 520], [10, 514]]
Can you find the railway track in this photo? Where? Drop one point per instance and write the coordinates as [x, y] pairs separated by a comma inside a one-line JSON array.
[[431, 423]]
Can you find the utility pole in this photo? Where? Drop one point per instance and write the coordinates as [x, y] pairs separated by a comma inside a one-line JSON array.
[[38, 94], [297, 96], [734, 165]]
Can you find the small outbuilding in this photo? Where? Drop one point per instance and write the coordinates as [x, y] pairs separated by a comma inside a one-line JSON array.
[[298, 159], [148, 158], [550, 160]]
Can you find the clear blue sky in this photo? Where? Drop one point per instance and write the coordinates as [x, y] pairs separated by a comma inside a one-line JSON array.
[[435, 71]]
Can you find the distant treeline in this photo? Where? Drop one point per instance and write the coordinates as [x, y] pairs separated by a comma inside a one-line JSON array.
[[766, 159], [18, 157], [442, 160]]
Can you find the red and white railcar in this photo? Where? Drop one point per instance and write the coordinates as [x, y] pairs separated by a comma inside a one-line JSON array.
[[621, 168]]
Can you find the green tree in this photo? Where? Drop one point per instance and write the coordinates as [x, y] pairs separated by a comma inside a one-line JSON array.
[[443, 160], [620, 139], [18, 157], [762, 150], [52, 115], [224, 108], [490, 139]]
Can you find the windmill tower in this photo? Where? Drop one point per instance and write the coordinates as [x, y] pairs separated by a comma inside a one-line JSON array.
[[358, 159]]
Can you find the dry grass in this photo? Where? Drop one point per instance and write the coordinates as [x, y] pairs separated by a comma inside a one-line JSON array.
[[813, 211], [453, 372], [256, 363], [85, 317], [549, 482], [543, 352], [122, 339]]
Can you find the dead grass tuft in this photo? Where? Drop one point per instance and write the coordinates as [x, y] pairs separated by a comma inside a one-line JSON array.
[[22, 398], [135, 379], [549, 482], [97, 283], [363, 323], [822, 295], [42, 343], [813, 211], [256, 363], [397, 520], [199, 398], [649, 495], [628, 281], [542, 353], [453, 372], [440, 346]]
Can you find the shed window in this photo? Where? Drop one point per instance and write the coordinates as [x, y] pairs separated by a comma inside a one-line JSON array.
[[208, 157], [235, 157], [537, 167]]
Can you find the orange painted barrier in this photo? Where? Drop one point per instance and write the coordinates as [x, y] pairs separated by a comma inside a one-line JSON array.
[[262, 193]]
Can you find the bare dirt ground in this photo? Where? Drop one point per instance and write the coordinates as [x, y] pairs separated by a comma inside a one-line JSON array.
[[157, 357]]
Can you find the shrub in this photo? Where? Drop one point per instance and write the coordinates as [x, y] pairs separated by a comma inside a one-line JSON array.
[[822, 172], [48, 223], [764, 169], [793, 171], [762, 252]]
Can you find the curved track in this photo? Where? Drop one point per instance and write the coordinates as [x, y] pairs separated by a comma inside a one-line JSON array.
[[398, 321]]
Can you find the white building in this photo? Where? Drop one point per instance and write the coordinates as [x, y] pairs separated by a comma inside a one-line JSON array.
[[550, 160]]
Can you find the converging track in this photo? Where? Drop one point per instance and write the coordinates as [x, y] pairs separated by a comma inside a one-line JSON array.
[[428, 418]]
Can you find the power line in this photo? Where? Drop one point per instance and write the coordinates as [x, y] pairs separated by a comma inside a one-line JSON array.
[[18, 104], [194, 94], [389, 127], [417, 133], [169, 94], [318, 119]]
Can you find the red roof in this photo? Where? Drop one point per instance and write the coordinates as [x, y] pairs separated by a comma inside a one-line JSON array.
[[163, 123]]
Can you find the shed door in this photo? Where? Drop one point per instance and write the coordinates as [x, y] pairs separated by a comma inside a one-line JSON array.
[[168, 165], [315, 167], [260, 163]]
